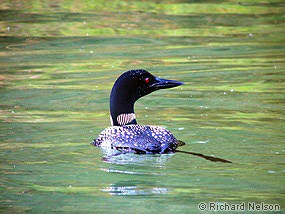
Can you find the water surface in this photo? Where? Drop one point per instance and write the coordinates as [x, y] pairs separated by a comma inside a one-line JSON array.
[[58, 63]]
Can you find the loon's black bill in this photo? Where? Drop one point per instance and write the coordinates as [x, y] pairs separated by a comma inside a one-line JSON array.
[[164, 83]]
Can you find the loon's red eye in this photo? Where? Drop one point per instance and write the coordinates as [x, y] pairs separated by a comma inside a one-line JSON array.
[[146, 80]]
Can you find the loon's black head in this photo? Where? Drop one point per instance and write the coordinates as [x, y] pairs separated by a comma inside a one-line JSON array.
[[128, 88]]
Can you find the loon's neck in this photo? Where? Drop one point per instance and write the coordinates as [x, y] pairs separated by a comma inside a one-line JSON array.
[[122, 107], [128, 88]]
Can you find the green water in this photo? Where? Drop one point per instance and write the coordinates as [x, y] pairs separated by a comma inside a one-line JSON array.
[[58, 62]]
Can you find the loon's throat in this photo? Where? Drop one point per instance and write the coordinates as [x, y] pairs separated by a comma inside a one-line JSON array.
[[122, 111], [124, 119]]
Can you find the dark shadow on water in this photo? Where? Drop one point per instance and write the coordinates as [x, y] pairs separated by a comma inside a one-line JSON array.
[[123, 158], [210, 158]]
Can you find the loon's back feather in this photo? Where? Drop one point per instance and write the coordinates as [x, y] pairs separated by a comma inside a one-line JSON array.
[[138, 139]]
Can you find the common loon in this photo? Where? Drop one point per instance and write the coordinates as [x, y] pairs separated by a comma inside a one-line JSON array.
[[125, 134]]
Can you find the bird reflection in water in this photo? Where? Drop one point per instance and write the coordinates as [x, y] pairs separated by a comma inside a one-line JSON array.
[[130, 187]]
